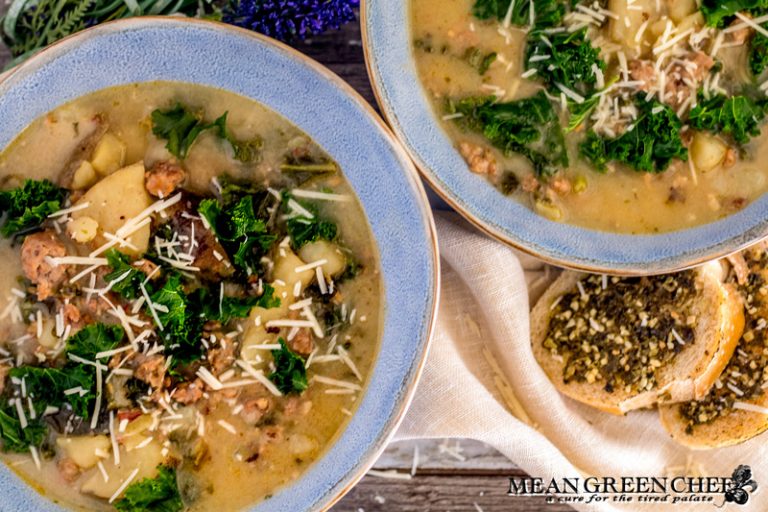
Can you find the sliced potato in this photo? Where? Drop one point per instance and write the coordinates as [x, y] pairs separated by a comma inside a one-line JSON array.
[[286, 263], [680, 9], [116, 199], [108, 155], [136, 432], [144, 459], [84, 177], [324, 250], [707, 151], [83, 450], [630, 18]]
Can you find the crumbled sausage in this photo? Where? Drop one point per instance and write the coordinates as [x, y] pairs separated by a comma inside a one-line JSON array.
[[164, 178], [254, 409], [222, 357], [68, 469], [35, 251], [479, 159], [150, 369], [296, 406], [730, 158], [561, 185], [530, 183], [188, 392], [302, 343], [693, 69]]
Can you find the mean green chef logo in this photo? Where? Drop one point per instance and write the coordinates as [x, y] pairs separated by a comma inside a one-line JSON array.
[[715, 490]]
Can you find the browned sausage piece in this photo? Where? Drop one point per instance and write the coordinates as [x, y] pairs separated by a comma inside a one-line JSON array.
[[35, 251], [163, 178]]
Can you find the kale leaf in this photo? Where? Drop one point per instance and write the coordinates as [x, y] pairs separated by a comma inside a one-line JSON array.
[[649, 145], [46, 387], [719, 13], [758, 54], [571, 61], [268, 299], [181, 127], [126, 278], [303, 230], [94, 338], [181, 322], [233, 222], [15, 438], [290, 375], [529, 127], [159, 494], [737, 116], [29, 205], [479, 60], [225, 308], [239, 224], [546, 13]]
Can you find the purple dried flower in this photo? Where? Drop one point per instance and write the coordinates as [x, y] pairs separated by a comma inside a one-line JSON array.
[[289, 20]]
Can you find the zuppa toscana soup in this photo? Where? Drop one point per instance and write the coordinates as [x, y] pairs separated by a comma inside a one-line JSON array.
[[191, 301], [631, 116]]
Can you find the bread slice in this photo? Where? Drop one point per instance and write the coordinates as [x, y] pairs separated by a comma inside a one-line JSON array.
[[717, 325], [741, 417]]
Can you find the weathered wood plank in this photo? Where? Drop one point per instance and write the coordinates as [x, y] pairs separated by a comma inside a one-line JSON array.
[[443, 493]]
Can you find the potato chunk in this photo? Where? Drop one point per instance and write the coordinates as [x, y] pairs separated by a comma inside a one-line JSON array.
[[680, 9], [114, 200], [84, 450], [108, 155], [85, 176], [145, 459], [323, 250], [707, 151]]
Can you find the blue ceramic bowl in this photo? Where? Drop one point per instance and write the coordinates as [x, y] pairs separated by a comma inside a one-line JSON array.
[[387, 42], [331, 113]]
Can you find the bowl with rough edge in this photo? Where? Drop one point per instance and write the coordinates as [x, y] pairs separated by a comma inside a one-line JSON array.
[[387, 42], [379, 171]]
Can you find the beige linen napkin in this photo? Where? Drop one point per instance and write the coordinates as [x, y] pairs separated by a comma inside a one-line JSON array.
[[480, 357]]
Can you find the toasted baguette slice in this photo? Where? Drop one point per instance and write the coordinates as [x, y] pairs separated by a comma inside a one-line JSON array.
[[688, 375], [750, 415]]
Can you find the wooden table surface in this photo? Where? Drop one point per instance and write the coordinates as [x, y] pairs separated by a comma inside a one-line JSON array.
[[450, 476]]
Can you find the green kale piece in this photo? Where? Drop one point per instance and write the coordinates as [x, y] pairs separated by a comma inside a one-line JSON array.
[[303, 230], [94, 338], [758, 54], [290, 375], [565, 59], [17, 439], [737, 116], [29, 205], [479, 60], [225, 308], [126, 278], [233, 222], [649, 145], [181, 320], [720, 13], [546, 13], [46, 386], [181, 127], [529, 127], [239, 224], [159, 494]]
